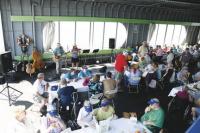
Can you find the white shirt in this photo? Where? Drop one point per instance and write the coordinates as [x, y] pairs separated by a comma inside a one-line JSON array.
[[18, 127], [40, 86], [84, 116]]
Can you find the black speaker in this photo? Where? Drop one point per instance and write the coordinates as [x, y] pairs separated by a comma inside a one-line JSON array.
[[112, 43], [6, 62]]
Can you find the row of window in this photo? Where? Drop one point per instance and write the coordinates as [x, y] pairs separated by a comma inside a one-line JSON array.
[[96, 35]]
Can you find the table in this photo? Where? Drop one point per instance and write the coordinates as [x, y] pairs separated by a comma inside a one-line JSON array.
[[77, 85], [121, 125], [179, 88]]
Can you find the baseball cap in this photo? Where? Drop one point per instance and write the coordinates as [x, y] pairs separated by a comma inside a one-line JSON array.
[[153, 100], [53, 113], [125, 52]]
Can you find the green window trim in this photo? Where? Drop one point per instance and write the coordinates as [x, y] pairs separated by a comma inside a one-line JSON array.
[[96, 19]]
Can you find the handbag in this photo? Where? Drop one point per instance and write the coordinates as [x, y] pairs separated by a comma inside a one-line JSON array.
[[73, 125]]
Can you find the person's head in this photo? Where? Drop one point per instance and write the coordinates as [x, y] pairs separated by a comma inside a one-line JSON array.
[[109, 75], [154, 103], [144, 43], [75, 46], [170, 66], [40, 76], [105, 104], [96, 78], [58, 45], [125, 53], [63, 82], [52, 114], [87, 106], [84, 68], [187, 50], [154, 64], [72, 71], [19, 113]]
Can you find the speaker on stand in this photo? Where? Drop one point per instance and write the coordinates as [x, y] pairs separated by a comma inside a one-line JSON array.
[[5, 67], [112, 46]]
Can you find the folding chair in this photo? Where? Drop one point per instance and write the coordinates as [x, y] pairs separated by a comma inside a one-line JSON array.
[[134, 84]]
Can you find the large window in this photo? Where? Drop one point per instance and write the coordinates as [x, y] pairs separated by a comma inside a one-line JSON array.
[[167, 35], [87, 35]]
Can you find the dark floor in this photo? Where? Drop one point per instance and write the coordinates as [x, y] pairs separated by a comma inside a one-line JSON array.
[[128, 102]]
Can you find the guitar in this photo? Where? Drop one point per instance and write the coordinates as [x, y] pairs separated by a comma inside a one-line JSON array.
[[29, 68]]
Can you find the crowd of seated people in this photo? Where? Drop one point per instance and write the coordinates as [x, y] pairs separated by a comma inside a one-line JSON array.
[[147, 64]]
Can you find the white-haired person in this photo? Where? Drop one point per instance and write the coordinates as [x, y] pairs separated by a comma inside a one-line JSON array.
[[52, 123], [143, 49], [58, 53], [120, 66], [153, 118], [106, 111], [41, 87], [85, 116], [19, 124]]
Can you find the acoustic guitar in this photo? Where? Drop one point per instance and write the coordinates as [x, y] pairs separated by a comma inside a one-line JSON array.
[[29, 68]]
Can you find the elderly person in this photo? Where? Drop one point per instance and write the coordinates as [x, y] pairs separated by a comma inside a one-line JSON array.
[[143, 49], [159, 53], [183, 75], [120, 65], [94, 85], [153, 118], [64, 94], [105, 112], [170, 57], [84, 73], [52, 123], [58, 52], [41, 87], [19, 123], [134, 75], [72, 75], [85, 114], [185, 57], [109, 84]]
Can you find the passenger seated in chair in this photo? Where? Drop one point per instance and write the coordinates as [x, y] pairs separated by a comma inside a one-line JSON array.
[[41, 87], [19, 123], [183, 75], [153, 118], [106, 111], [72, 75], [84, 73], [52, 123], [65, 94], [85, 114], [109, 84], [151, 77], [94, 85], [134, 75]]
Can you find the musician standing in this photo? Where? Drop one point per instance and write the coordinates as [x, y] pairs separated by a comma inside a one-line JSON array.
[[75, 59], [58, 52]]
